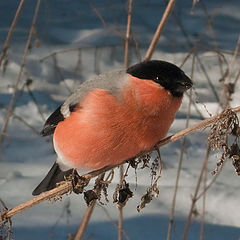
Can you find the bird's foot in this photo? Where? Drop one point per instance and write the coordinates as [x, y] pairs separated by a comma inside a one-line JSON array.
[[78, 182]]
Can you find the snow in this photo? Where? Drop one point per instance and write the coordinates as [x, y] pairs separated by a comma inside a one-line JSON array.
[[26, 157]]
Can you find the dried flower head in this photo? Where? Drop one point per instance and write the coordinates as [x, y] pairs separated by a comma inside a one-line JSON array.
[[226, 125], [90, 196], [152, 191], [122, 194]]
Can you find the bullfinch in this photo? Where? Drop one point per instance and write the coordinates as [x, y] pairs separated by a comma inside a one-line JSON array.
[[113, 117]]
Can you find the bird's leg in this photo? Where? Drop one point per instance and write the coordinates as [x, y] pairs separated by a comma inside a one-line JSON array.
[[78, 182]]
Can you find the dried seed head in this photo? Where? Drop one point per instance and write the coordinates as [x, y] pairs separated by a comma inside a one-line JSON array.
[[89, 196], [145, 199], [122, 194], [227, 124], [115, 194], [152, 191], [221, 128]]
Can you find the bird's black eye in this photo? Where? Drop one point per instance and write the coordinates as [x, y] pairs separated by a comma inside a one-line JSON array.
[[156, 79]]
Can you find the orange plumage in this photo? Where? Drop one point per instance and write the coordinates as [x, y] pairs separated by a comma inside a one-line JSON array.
[[113, 117], [106, 130]]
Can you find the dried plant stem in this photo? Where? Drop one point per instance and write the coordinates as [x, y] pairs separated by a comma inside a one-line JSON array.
[[74, 49], [159, 29], [197, 196], [60, 190], [66, 186], [226, 93], [191, 45], [20, 119], [35, 102], [13, 98], [171, 218], [84, 223], [210, 184], [208, 79], [88, 213], [129, 18], [10, 32], [233, 60], [203, 206], [112, 221], [194, 198], [120, 208], [126, 64], [237, 77], [120, 34]]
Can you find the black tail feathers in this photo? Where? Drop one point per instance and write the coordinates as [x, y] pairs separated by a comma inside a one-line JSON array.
[[55, 175]]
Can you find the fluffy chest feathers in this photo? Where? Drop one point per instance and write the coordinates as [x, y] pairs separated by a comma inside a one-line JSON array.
[[107, 129]]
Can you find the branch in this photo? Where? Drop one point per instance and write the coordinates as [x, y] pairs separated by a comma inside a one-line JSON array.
[[14, 95], [88, 212], [159, 29], [66, 187], [126, 56], [10, 32]]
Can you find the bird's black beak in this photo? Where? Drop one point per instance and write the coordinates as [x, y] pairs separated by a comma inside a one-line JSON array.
[[185, 84]]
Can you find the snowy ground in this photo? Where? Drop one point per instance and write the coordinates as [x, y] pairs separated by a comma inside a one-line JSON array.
[[26, 157]]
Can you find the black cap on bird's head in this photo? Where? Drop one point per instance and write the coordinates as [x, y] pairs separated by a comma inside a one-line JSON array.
[[168, 75]]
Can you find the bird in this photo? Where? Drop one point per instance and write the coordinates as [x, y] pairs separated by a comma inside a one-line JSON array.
[[113, 117]]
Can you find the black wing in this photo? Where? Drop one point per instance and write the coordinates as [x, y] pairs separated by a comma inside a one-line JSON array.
[[53, 120]]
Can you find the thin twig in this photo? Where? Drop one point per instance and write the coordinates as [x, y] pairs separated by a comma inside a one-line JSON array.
[[14, 95], [120, 207], [159, 29], [58, 191], [58, 72], [194, 198], [74, 49], [88, 213], [196, 195], [126, 64], [137, 50], [10, 32], [178, 21], [84, 223], [19, 118], [66, 186], [126, 55], [237, 77], [171, 218], [112, 221], [35, 102], [117, 32], [210, 184], [227, 104], [203, 206], [227, 80]]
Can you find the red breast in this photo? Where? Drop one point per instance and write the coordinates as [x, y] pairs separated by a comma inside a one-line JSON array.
[[105, 129]]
